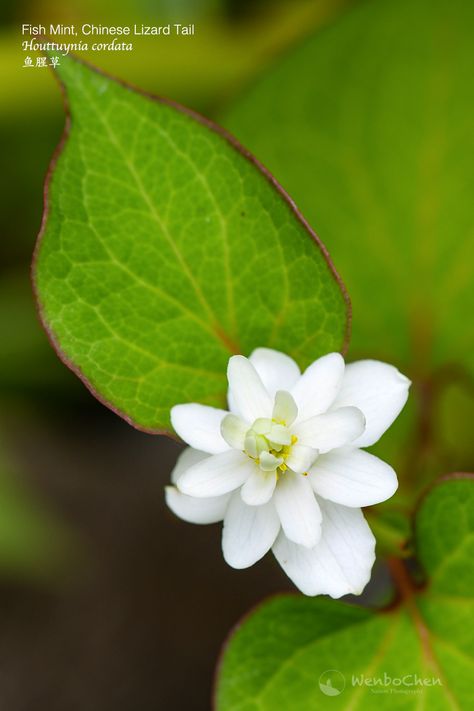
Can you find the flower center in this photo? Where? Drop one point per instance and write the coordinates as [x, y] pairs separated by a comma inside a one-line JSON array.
[[269, 443]]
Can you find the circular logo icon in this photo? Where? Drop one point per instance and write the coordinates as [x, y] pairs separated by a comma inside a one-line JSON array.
[[332, 682]]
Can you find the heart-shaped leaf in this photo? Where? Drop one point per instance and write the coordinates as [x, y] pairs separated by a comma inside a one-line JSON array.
[[298, 653], [165, 248]]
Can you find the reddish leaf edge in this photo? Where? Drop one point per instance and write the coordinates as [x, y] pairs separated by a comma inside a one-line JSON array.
[[398, 601], [236, 145]]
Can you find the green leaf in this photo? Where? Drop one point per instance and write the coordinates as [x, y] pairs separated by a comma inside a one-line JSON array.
[[369, 126], [445, 536], [165, 249], [284, 652]]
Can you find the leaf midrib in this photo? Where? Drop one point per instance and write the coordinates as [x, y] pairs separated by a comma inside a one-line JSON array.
[[217, 332]]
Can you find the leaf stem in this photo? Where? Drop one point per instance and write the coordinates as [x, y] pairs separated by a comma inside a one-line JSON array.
[[406, 590]]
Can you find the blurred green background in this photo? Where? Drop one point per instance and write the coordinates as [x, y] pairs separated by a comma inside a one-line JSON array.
[[106, 600]]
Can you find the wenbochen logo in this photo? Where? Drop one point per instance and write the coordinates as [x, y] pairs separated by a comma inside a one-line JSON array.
[[332, 682]]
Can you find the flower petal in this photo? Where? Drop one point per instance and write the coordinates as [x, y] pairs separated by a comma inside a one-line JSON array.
[[216, 475], [379, 390], [195, 510], [284, 409], [233, 430], [186, 459], [277, 370], [268, 462], [315, 391], [259, 488], [331, 430], [352, 477], [342, 560], [301, 458], [249, 398], [279, 434], [262, 425], [200, 426], [249, 532], [298, 509]]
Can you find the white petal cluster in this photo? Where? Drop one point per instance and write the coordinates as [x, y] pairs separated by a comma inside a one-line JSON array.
[[283, 468]]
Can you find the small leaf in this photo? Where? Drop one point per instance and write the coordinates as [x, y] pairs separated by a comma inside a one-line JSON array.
[[165, 249], [445, 535], [282, 656]]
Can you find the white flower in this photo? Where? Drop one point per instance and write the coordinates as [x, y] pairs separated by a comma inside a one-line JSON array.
[[283, 469]]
